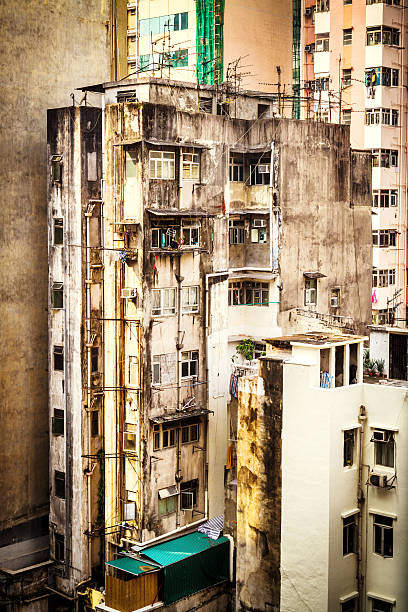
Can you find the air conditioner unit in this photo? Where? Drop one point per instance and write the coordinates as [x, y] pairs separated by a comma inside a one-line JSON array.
[[258, 223], [308, 11], [334, 302], [380, 435], [308, 48], [264, 168], [377, 480], [129, 293]]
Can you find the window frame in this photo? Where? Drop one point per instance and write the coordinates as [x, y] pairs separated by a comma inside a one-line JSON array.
[[310, 292], [188, 230], [236, 168], [162, 310], [159, 362], [189, 487], [346, 77], [236, 231], [257, 231], [57, 296], [59, 484], [59, 547], [165, 502], [57, 354], [58, 227], [322, 40], [190, 167], [347, 37], [381, 525], [350, 534], [189, 358], [186, 433], [246, 293], [58, 422], [191, 306], [158, 157], [127, 434], [349, 446], [384, 455]]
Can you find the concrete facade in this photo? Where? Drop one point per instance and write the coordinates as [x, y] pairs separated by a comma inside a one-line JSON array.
[[198, 242], [43, 51], [333, 473]]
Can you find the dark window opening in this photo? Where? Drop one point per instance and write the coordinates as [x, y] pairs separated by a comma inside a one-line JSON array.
[[59, 484], [95, 423], [189, 494], [349, 534], [58, 355], [58, 422], [59, 547], [263, 111], [94, 358], [57, 296], [58, 231], [383, 535], [348, 448], [56, 167]]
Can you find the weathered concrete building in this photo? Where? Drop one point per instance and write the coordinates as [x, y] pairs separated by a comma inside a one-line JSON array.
[[208, 228], [43, 50], [322, 481]]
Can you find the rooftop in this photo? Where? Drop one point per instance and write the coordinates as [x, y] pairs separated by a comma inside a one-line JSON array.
[[314, 339]]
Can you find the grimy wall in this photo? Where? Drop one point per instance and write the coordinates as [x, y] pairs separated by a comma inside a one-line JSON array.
[[48, 49]]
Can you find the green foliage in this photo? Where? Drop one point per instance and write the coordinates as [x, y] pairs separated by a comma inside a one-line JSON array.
[[246, 349], [380, 363]]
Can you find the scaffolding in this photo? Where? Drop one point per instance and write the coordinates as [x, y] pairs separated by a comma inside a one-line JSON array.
[[296, 59], [210, 41]]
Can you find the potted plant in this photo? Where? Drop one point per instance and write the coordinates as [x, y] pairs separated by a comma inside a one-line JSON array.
[[380, 363]]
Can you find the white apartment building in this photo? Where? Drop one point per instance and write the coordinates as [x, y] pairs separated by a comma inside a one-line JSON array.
[[322, 513], [360, 68]]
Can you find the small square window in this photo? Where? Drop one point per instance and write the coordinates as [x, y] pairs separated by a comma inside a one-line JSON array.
[[59, 484], [57, 295], [58, 356], [59, 547], [58, 231], [58, 422]]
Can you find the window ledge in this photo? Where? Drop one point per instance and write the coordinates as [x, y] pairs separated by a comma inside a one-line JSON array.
[[382, 513], [390, 600]]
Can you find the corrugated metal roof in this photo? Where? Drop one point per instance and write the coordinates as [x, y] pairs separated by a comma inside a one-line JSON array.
[[131, 566], [180, 548]]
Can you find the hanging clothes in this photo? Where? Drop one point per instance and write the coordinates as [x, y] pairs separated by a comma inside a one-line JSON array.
[[234, 385]]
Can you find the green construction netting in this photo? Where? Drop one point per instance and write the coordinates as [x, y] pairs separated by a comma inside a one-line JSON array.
[[210, 41]]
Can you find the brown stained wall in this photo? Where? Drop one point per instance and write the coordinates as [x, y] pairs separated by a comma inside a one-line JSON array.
[[259, 489], [47, 50]]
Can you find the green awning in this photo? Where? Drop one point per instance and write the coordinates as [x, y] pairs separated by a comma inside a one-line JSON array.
[[181, 548], [131, 566]]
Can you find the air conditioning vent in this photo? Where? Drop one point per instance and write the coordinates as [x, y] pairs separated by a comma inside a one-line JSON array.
[[129, 293], [264, 168], [380, 435], [377, 480]]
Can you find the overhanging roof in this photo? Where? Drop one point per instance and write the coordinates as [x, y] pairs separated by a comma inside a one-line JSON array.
[[178, 416], [249, 211], [131, 566], [176, 212], [181, 548], [314, 275]]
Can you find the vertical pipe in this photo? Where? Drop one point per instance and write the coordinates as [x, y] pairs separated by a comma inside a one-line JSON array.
[[88, 385], [271, 184], [360, 502]]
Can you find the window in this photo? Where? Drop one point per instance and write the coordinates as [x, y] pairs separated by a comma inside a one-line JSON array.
[[321, 84], [395, 2], [57, 295], [310, 292], [263, 111], [236, 231], [259, 350], [58, 231], [129, 438], [165, 23], [322, 42], [322, 5], [190, 299], [204, 104], [59, 484], [248, 293], [348, 448], [386, 158], [95, 423], [59, 547], [166, 237], [379, 605], [347, 77], [236, 168], [388, 77], [56, 168], [191, 166], [385, 116], [348, 2], [133, 371], [384, 238], [383, 278], [191, 235], [190, 433], [383, 535], [346, 116], [394, 117], [161, 165], [349, 534], [347, 36], [94, 359], [259, 173], [168, 505], [163, 302], [384, 198], [322, 115], [189, 494], [58, 354], [259, 231], [349, 606], [174, 59], [189, 364], [383, 35], [58, 422], [164, 369], [164, 436], [384, 448]]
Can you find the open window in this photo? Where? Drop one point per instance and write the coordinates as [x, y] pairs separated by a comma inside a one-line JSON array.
[[56, 169], [259, 231], [59, 484], [259, 170], [167, 502], [166, 236], [236, 231], [383, 535], [58, 358], [189, 364], [130, 438], [57, 295], [310, 292], [189, 494], [191, 166], [350, 534], [58, 422], [191, 234], [58, 232], [384, 447]]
